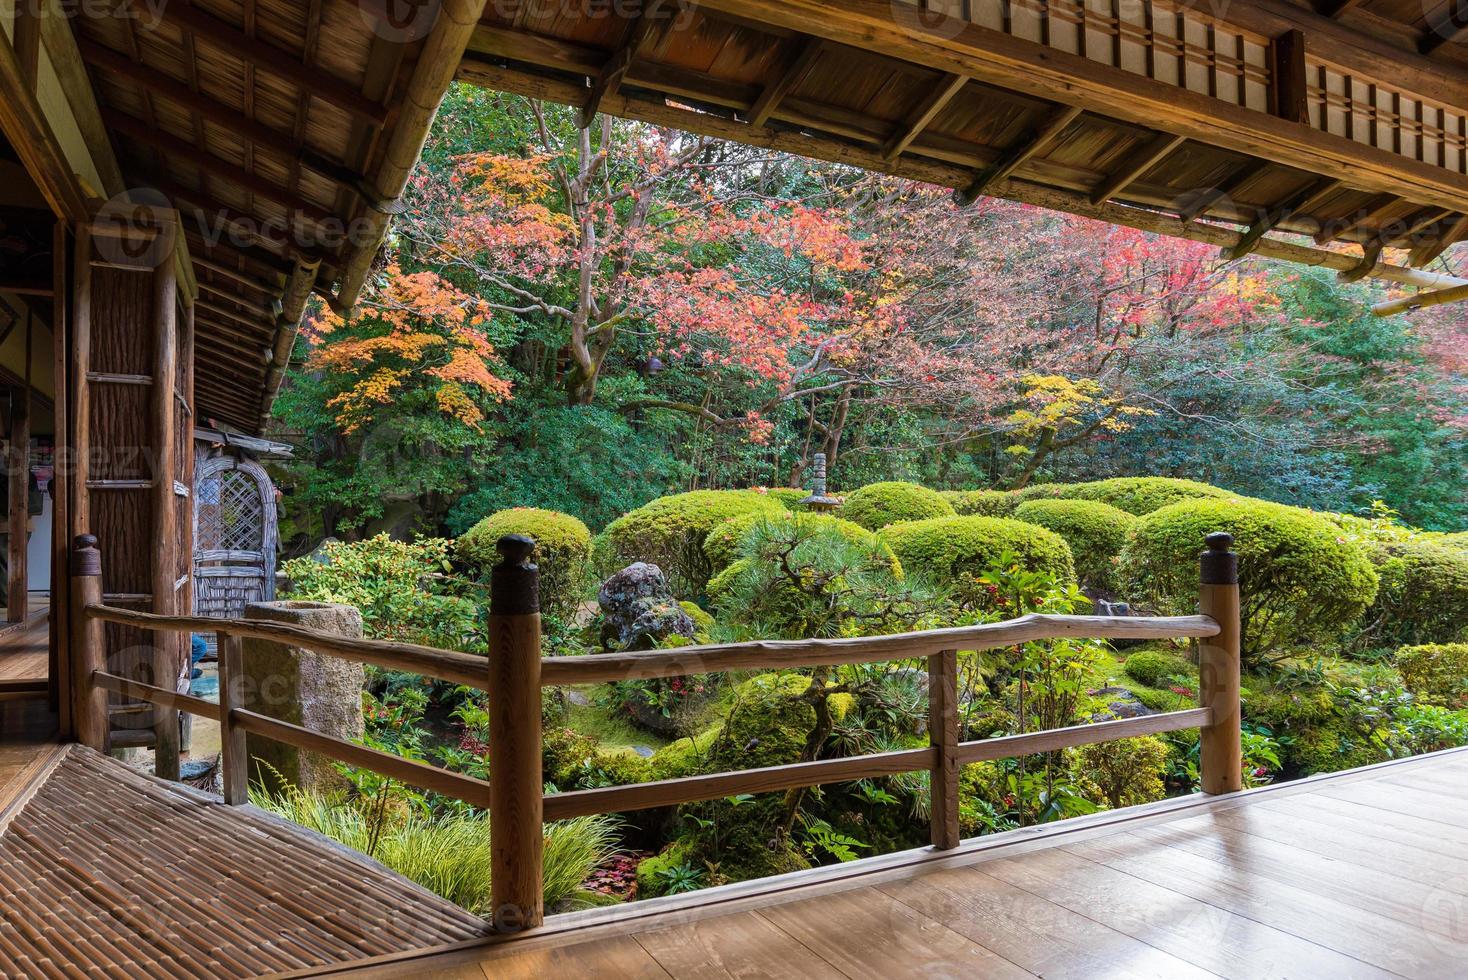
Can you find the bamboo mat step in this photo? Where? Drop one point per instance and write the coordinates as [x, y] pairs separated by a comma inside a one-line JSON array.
[[105, 872]]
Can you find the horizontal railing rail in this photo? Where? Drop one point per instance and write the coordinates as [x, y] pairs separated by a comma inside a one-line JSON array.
[[515, 673]]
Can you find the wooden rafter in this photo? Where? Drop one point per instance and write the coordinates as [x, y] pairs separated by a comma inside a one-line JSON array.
[[234, 296], [1428, 251], [1441, 34], [789, 79], [933, 103], [211, 210], [1412, 226], [1031, 146], [239, 44], [1142, 159], [1369, 216], [257, 262], [1334, 8], [242, 278], [248, 180], [1226, 189], [1300, 203], [266, 325], [235, 122]]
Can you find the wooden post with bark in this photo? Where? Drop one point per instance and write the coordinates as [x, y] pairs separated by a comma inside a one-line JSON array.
[[235, 762], [943, 735], [1220, 754], [515, 809], [88, 646]]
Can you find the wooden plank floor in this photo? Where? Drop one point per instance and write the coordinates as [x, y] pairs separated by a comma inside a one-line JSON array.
[[1364, 875], [24, 653]]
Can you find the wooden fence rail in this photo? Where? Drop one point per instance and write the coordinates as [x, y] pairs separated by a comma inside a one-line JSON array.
[[516, 672]]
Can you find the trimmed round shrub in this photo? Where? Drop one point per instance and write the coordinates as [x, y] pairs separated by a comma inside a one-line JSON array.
[[1423, 596], [562, 550], [878, 504], [980, 503], [789, 497], [1152, 667], [1096, 533], [1437, 673], [957, 551], [1457, 541], [1139, 495], [1300, 579], [724, 543], [669, 532]]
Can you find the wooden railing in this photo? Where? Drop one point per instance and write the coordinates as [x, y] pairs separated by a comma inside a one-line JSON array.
[[516, 673]]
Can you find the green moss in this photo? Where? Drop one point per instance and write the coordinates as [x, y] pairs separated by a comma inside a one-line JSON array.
[[1154, 669], [686, 756], [958, 550], [670, 532], [878, 504], [1299, 578], [703, 623], [1436, 673], [562, 551], [980, 503], [1096, 533], [650, 883]]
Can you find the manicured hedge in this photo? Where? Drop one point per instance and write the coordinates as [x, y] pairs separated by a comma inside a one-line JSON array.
[[789, 497], [958, 550], [981, 503], [669, 532], [878, 504], [1300, 578], [1424, 593], [1437, 673], [562, 550], [1137, 495], [1096, 533]]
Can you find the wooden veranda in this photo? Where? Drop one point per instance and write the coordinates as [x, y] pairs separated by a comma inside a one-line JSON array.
[[183, 177]]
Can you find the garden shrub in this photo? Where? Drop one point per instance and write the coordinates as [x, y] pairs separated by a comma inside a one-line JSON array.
[[1125, 772], [1423, 596], [1153, 668], [1137, 495], [562, 552], [788, 497], [878, 504], [1457, 541], [1299, 579], [669, 532], [727, 543], [957, 551], [806, 577], [980, 503], [1437, 673], [1095, 532], [398, 586]]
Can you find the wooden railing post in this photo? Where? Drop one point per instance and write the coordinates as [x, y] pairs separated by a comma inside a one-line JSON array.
[[88, 646], [235, 760], [943, 735], [1220, 753], [515, 809]]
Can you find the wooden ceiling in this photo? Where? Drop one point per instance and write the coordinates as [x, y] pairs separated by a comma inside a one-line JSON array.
[[1263, 119]]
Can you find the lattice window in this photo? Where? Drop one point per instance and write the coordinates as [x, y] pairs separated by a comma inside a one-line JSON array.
[[231, 514]]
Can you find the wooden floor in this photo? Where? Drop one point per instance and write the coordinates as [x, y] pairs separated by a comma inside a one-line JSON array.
[[1359, 875], [105, 872], [24, 653]]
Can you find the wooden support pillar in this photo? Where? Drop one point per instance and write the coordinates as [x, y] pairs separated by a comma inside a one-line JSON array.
[[1220, 753], [89, 646], [236, 758], [167, 649], [1288, 89], [17, 463], [943, 735], [515, 810]]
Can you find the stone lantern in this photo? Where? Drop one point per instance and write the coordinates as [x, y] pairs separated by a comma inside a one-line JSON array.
[[818, 501]]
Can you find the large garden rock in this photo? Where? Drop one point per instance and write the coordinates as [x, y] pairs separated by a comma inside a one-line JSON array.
[[638, 609], [1120, 703], [318, 692]]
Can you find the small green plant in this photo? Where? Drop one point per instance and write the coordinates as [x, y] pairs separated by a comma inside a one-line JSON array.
[[679, 878]]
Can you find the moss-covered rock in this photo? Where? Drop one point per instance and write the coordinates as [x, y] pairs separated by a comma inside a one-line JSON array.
[[1154, 668], [1096, 533], [957, 551], [980, 503], [1300, 579], [878, 504], [669, 532], [1437, 673], [562, 552], [703, 623]]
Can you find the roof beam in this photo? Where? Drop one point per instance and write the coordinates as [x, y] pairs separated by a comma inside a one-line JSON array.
[[243, 278], [1453, 294], [1412, 226], [1230, 186], [1429, 251], [1034, 144], [244, 320], [1369, 215], [790, 78], [221, 115], [1334, 8], [234, 297], [645, 31], [1300, 203], [933, 103], [1140, 160], [237, 44], [182, 149], [1445, 32], [208, 208]]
